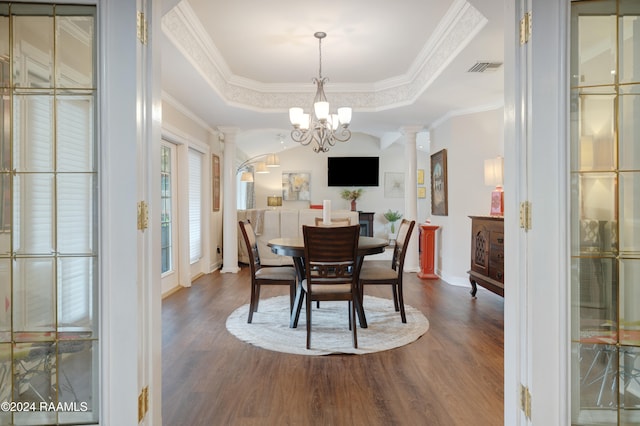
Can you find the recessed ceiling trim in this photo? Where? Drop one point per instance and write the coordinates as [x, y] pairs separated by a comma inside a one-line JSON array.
[[460, 24]]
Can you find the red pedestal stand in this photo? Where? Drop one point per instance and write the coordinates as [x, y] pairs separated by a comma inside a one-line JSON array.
[[427, 252]]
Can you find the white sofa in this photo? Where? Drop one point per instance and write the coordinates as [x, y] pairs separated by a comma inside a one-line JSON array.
[[285, 223]]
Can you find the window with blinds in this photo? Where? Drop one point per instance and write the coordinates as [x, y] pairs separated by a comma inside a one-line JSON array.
[[195, 205]]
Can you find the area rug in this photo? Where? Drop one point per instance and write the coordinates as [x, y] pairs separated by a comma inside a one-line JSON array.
[[330, 332]]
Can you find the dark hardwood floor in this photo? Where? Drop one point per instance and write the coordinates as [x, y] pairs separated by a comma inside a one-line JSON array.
[[453, 375]]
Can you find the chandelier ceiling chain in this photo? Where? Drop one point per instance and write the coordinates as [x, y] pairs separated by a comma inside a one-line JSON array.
[[320, 126], [320, 36]]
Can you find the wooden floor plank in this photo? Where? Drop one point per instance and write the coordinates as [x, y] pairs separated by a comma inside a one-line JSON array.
[[453, 375]]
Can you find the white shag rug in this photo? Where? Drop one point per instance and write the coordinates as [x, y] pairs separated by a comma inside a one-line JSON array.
[[330, 332]]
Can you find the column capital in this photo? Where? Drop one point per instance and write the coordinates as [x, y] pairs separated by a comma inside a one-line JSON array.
[[231, 131], [405, 130]]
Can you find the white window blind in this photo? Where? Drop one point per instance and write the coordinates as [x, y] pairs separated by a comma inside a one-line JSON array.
[[195, 205], [76, 197]]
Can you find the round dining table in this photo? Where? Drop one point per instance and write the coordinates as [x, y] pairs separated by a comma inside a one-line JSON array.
[[294, 247]]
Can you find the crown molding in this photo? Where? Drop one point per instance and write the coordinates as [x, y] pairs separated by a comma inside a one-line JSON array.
[[460, 25]]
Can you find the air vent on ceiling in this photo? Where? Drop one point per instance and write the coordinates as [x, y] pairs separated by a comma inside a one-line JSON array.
[[485, 66]]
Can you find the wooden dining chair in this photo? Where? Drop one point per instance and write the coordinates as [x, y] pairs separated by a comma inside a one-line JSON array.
[[339, 221], [277, 275], [373, 274], [330, 257]]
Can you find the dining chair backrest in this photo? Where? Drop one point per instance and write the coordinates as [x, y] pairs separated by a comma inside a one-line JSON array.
[[330, 254], [249, 236], [341, 221], [402, 240]]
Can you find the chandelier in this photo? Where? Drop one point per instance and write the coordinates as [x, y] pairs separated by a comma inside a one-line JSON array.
[[321, 127]]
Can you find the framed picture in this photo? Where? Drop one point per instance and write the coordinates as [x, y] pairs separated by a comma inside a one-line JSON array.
[[295, 186], [422, 192], [393, 185], [420, 176], [215, 184], [439, 183]]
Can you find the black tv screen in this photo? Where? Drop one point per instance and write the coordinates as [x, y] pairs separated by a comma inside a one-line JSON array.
[[352, 171]]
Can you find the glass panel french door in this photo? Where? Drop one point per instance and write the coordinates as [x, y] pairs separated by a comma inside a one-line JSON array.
[[169, 216], [166, 199], [605, 212], [49, 315]]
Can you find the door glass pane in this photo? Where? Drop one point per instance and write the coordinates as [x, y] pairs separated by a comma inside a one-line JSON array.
[[5, 380], [629, 298], [76, 216], [629, 29], [629, 384], [74, 127], [166, 203], [34, 297], [34, 370], [77, 298], [33, 38], [5, 76], [5, 213], [78, 379], [629, 112], [33, 214], [630, 212], [74, 47], [5, 300], [594, 35], [5, 134], [33, 133], [597, 134], [605, 212]]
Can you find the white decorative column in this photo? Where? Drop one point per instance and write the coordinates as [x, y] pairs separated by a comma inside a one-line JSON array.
[[229, 213], [411, 262]]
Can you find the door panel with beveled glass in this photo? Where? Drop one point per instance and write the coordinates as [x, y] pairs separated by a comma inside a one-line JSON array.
[[48, 213], [605, 212]]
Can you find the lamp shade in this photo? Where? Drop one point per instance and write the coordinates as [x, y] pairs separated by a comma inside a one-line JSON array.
[[493, 168], [296, 116], [246, 177], [274, 201], [344, 115], [273, 160], [261, 167]]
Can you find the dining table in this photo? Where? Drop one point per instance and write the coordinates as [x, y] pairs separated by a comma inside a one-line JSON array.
[[294, 247]]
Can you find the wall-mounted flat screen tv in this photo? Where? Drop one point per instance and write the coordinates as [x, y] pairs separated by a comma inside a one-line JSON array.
[[352, 171]]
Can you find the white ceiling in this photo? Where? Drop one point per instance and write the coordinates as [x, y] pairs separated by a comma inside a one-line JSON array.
[[402, 63]]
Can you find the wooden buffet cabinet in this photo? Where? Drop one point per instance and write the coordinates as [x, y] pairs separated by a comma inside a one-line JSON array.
[[487, 254]]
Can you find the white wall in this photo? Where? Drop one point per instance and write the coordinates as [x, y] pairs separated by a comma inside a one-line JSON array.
[[303, 159], [469, 140]]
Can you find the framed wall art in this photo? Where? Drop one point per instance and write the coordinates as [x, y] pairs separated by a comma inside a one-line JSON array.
[[393, 185], [295, 186], [215, 184], [439, 204]]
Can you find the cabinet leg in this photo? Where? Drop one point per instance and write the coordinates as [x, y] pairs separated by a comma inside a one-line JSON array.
[[474, 287]]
